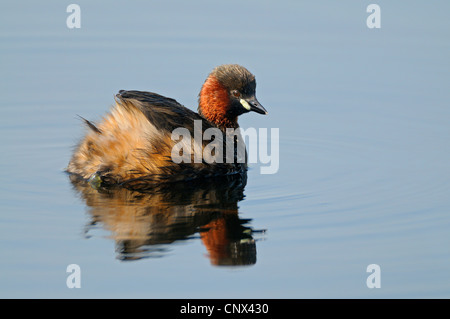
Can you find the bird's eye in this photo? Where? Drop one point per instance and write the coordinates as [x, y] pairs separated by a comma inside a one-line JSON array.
[[236, 93]]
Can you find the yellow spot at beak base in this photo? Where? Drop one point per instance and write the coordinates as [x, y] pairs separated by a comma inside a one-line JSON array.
[[245, 104]]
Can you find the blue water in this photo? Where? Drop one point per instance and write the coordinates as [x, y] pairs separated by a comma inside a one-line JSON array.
[[364, 175]]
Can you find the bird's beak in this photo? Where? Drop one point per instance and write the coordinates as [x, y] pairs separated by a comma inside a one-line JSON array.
[[252, 104]]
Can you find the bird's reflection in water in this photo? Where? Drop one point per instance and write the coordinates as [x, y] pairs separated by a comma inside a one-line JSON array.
[[142, 224]]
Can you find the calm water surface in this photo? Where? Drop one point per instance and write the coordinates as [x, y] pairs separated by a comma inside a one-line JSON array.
[[364, 174]]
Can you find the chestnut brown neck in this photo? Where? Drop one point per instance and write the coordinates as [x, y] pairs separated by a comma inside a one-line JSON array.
[[214, 104]]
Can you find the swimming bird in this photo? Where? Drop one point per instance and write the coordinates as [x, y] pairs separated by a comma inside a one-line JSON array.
[[133, 144]]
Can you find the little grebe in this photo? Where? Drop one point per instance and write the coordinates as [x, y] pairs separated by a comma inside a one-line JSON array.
[[132, 146]]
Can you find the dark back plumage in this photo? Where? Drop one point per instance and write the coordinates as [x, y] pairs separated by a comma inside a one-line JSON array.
[[164, 113]]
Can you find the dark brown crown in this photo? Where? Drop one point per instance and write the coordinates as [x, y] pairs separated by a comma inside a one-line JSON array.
[[235, 77]]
